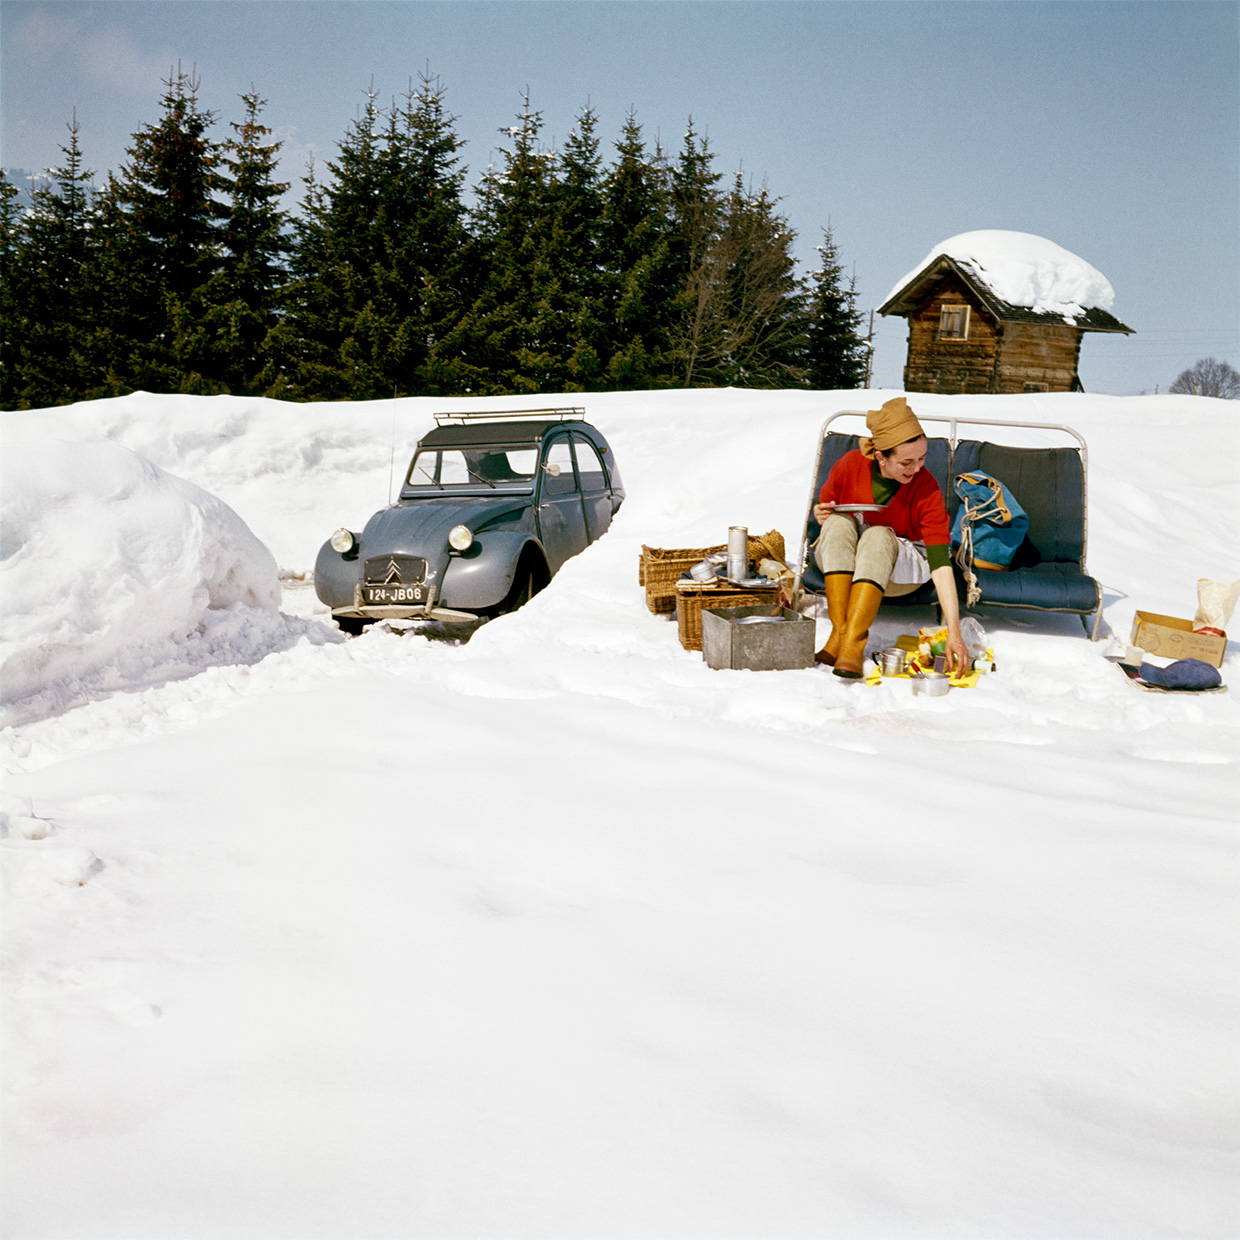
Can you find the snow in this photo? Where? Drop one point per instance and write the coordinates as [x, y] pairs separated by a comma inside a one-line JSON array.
[[1024, 270], [557, 932], [114, 571]]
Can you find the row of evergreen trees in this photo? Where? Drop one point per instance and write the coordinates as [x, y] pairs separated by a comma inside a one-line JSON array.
[[184, 274]]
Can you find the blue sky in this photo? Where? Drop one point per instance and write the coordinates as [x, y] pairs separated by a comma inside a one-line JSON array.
[[1112, 128]]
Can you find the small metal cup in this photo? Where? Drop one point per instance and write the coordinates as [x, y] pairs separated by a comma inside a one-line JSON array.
[[891, 662]]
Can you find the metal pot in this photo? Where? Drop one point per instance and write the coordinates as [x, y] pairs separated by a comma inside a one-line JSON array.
[[932, 684], [891, 662]]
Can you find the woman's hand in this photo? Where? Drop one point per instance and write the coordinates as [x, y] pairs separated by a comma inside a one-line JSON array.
[[957, 654], [945, 587], [823, 511]]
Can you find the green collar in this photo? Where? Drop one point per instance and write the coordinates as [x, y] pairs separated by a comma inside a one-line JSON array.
[[884, 488]]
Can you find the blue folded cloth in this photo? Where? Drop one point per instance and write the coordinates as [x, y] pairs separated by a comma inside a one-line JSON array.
[[1182, 674]]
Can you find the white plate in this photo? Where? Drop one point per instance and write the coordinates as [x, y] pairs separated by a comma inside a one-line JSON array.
[[858, 508]]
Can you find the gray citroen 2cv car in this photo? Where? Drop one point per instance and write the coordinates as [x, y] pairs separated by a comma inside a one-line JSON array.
[[491, 507]]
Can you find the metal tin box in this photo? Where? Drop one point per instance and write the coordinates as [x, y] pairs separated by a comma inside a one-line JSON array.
[[764, 638]]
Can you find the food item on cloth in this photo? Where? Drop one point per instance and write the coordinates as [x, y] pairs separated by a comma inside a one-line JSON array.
[[929, 643]]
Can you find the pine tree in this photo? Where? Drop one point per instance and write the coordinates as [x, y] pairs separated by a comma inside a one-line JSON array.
[[245, 294], [56, 272], [696, 208], [836, 352], [13, 301], [577, 329], [511, 325], [640, 286], [741, 318], [384, 261], [161, 219], [339, 243], [756, 314], [434, 255]]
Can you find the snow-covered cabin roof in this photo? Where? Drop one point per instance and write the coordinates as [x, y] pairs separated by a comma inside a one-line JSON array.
[[1018, 277]]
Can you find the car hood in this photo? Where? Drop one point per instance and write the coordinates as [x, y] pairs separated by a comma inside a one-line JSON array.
[[421, 528]]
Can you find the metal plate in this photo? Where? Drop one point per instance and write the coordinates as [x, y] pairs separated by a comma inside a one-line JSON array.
[[388, 596], [850, 508], [393, 570]]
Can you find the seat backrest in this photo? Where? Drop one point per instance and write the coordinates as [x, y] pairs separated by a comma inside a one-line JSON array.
[[1048, 483]]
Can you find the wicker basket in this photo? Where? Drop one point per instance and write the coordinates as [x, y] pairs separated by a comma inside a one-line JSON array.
[[659, 569], [692, 599]]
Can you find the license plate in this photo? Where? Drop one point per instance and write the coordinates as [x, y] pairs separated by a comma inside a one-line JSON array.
[[387, 596]]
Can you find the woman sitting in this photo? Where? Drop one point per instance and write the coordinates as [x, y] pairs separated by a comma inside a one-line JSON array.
[[891, 552]]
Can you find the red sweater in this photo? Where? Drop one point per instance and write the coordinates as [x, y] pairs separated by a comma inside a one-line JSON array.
[[916, 511]]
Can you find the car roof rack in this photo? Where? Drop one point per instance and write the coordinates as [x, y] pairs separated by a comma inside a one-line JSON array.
[[500, 415]]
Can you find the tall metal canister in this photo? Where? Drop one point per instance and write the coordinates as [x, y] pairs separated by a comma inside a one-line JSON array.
[[738, 553]]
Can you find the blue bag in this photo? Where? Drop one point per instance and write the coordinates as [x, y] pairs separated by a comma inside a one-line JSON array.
[[989, 526]]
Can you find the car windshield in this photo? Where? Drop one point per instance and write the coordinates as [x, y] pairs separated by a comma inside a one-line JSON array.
[[496, 468]]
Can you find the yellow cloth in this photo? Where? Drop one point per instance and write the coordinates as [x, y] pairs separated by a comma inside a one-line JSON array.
[[967, 681], [893, 424], [909, 646]]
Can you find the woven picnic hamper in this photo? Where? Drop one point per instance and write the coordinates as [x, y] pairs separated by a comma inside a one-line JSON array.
[[659, 569], [692, 599]]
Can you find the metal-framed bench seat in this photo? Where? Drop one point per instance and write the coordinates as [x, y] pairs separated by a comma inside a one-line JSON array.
[[1049, 483]]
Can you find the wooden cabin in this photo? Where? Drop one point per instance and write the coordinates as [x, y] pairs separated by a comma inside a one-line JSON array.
[[963, 338]]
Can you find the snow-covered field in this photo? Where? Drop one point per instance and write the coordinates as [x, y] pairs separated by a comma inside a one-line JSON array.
[[559, 933]]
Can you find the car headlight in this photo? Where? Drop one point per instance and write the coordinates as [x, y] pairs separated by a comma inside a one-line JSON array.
[[460, 538], [343, 541]]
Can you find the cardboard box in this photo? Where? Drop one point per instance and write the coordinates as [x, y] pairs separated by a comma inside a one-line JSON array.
[[1173, 638]]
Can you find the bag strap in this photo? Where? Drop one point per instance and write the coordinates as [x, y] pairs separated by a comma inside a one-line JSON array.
[[964, 556]]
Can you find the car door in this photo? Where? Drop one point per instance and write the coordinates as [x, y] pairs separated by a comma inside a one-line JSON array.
[[561, 518], [595, 491]]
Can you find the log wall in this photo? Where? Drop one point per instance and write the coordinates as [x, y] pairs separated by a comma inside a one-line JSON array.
[[952, 366], [994, 357], [1034, 353]]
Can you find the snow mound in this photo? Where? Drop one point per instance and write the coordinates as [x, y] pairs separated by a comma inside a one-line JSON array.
[[1024, 270], [114, 572]]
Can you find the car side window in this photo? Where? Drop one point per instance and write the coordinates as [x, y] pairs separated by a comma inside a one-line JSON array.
[[564, 483], [589, 466]]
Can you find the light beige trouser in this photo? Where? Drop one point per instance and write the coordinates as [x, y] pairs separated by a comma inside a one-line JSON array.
[[869, 554]]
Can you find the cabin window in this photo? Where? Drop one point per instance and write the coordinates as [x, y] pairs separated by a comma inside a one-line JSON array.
[[954, 323], [1036, 387]]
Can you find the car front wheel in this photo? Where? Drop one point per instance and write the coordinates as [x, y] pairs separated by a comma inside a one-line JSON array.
[[530, 577]]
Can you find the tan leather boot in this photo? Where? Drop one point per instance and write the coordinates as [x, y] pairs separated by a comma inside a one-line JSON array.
[[836, 586], [863, 601]]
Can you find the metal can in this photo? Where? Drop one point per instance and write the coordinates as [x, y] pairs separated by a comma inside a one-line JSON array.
[[738, 552]]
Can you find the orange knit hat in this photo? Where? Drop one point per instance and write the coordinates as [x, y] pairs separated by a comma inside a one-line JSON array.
[[893, 424]]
